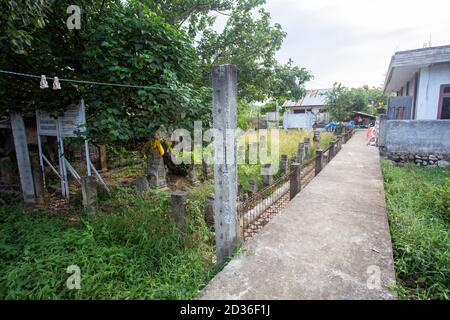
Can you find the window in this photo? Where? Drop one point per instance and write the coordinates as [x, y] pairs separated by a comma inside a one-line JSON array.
[[299, 111], [444, 103], [399, 113]]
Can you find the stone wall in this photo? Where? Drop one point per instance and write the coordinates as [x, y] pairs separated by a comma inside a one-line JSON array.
[[421, 160]]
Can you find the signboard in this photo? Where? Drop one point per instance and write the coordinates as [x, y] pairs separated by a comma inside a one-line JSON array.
[[73, 121]]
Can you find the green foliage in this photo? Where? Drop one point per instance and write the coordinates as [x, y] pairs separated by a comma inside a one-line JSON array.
[[119, 42], [418, 202], [342, 101], [249, 40], [132, 251]]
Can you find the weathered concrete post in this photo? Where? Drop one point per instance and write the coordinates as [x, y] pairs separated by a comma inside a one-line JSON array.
[[316, 139], [319, 161], [23, 158], [268, 178], [345, 135], [224, 84], [253, 187], [206, 171], [295, 184], [210, 209], [382, 131], [339, 142], [156, 170], [284, 165], [89, 192], [193, 175], [38, 178], [142, 184], [178, 209], [301, 152], [103, 158], [307, 142], [332, 150]]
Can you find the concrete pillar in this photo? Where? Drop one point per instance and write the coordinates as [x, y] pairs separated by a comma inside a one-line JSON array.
[[224, 85], [301, 152], [156, 170], [284, 165], [210, 209], [268, 178], [206, 171], [307, 142], [38, 178], [142, 185], [295, 180], [319, 161], [193, 175], [103, 158], [253, 187], [179, 210], [332, 150], [382, 131], [89, 192], [23, 158], [316, 139]]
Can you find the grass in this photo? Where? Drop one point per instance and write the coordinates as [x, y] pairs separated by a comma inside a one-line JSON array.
[[418, 203], [288, 145], [133, 251]]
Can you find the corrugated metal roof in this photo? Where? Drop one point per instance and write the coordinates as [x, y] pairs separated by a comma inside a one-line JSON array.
[[312, 98]]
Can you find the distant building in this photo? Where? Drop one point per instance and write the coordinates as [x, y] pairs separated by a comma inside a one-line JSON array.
[[302, 114], [421, 80]]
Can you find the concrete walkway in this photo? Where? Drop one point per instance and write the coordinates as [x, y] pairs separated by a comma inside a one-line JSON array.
[[331, 242]]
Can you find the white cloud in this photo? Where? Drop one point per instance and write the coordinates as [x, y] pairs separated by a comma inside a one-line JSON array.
[[351, 41]]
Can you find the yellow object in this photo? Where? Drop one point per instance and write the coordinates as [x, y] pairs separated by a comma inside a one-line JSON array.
[[158, 146]]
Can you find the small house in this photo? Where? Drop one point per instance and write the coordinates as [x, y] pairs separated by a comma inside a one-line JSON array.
[[302, 114], [421, 81]]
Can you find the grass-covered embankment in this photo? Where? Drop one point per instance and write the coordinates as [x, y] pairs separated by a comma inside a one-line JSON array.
[[418, 203], [131, 250]]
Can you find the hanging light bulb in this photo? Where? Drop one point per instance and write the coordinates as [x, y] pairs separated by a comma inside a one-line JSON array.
[[56, 84], [44, 83]]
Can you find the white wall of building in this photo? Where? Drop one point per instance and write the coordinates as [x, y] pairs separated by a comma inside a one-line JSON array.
[[298, 121], [431, 79]]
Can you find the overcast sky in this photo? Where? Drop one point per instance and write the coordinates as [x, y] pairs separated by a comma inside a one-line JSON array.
[[352, 41]]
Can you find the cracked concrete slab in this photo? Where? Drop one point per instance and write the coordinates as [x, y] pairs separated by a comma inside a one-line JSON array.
[[331, 242]]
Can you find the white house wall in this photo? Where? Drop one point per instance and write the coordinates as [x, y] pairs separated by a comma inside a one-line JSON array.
[[431, 79]]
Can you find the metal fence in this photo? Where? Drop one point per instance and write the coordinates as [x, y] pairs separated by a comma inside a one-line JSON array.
[[258, 209]]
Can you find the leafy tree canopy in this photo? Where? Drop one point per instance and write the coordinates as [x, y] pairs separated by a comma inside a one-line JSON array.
[[342, 101], [248, 39], [118, 43], [169, 45]]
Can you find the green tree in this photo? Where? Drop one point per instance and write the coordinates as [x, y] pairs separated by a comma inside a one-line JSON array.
[[342, 101], [339, 102], [118, 43], [249, 40]]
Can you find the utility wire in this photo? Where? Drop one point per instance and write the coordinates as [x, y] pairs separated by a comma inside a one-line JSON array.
[[82, 81]]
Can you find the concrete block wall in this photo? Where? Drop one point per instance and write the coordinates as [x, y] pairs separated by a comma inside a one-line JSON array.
[[417, 137]]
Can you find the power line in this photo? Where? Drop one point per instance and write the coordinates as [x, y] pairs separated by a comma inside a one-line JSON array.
[[81, 81]]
